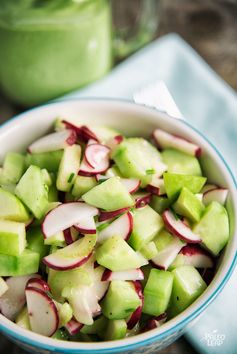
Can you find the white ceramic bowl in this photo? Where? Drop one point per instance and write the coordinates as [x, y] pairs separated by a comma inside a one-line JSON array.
[[131, 119]]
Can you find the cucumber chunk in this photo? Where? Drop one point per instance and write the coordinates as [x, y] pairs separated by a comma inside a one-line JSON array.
[[179, 162], [157, 292], [12, 237], [49, 160], [213, 228], [11, 208], [68, 168], [146, 224], [35, 241], [175, 182], [120, 301], [188, 285], [116, 329], [189, 205], [26, 263], [135, 157], [109, 195], [82, 185], [115, 254], [160, 203], [32, 191], [13, 168], [23, 320]]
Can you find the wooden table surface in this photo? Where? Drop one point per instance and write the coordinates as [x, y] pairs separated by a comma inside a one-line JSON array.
[[210, 26]]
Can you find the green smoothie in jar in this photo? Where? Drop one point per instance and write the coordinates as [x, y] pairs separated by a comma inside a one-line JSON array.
[[50, 47]]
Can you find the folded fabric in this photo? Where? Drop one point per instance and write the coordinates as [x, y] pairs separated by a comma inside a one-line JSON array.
[[209, 104]]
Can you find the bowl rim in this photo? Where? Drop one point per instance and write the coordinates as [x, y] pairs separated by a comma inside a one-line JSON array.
[[45, 343]]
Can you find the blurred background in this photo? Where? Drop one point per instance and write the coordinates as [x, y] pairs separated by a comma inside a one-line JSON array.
[[56, 57]]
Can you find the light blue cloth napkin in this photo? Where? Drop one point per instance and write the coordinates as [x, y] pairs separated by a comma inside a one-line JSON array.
[[209, 104]]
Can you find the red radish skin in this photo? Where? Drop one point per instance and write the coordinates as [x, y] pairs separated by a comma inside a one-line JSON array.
[[141, 201], [83, 133], [53, 263], [29, 223], [136, 315], [13, 300], [88, 171], [43, 314], [86, 226], [196, 256], [113, 142], [218, 194], [107, 215], [66, 215], [134, 274], [154, 323], [97, 156], [121, 227], [68, 236], [208, 187], [54, 141], [131, 184], [166, 140], [73, 327], [39, 284], [178, 228], [156, 186]]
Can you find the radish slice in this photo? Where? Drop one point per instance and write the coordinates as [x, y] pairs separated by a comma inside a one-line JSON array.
[[73, 327], [113, 142], [133, 274], [154, 322], [88, 171], [218, 194], [208, 187], [195, 256], [83, 132], [100, 177], [86, 226], [106, 215], [121, 227], [13, 300], [131, 184], [142, 199], [97, 156], [165, 140], [100, 287], [43, 314], [66, 215], [38, 284], [53, 142], [70, 235], [72, 256], [156, 186], [165, 258], [136, 315], [178, 228]]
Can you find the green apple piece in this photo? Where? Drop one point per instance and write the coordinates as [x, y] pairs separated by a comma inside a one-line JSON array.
[[120, 301], [26, 263], [116, 255], [82, 185], [146, 224], [116, 329], [13, 168], [64, 313], [188, 285], [149, 250], [68, 168], [159, 203], [3, 286], [213, 228], [35, 241], [49, 160], [11, 208], [109, 195], [98, 327], [157, 292], [136, 158], [189, 205], [175, 182], [179, 162], [12, 237], [23, 320], [32, 191], [58, 280]]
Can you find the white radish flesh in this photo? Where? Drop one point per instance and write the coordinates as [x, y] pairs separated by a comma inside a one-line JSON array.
[[121, 227]]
